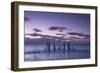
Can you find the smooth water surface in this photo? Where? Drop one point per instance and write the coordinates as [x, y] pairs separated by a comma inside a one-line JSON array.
[[38, 52]]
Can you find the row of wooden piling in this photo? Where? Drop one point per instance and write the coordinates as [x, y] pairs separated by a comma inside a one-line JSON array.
[[49, 44]]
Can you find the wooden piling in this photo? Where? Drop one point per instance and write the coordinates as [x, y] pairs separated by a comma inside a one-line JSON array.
[[64, 46], [68, 46], [48, 46], [54, 46]]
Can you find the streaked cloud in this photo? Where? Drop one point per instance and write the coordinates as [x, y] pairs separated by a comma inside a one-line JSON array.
[[60, 29], [63, 37], [61, 34], [45, 36], [37, 30], [34, 34], [79, 34]]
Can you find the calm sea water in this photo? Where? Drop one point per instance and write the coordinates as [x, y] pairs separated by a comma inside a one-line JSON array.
[[39, 52]]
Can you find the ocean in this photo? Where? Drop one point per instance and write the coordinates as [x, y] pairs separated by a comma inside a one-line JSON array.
[[41, 53]]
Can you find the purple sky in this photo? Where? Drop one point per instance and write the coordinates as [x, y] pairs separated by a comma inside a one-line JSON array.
[[66, 25]]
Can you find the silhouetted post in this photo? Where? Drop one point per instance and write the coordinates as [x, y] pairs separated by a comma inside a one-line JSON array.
[[45, 46], [48, 46], [54, 46], [64, 46], [68, 46], [59, 46]]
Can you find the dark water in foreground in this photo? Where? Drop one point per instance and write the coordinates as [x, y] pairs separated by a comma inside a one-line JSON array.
[[37, 53]]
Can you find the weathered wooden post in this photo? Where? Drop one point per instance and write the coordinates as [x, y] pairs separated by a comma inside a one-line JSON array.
[[64, 46], [45, 46], [48, 46], [68, 46], [59, 46], [54, 46]]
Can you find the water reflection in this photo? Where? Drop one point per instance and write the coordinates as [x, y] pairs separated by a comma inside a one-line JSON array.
[[56, 55]]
